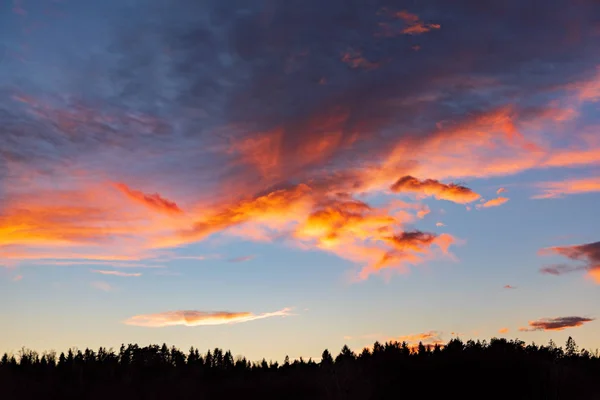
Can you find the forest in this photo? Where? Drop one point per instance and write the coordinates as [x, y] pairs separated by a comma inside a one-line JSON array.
[[498, 369]]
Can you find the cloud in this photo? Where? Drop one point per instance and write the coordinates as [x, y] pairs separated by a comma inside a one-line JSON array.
[[255, 131], [493, 202], [430, 187], [415, 240], [503, 330], [17, 278], [587, 254], [567, 187], [116, 273], [200, 318], [423, 212], [501, 190], [440, 224], [153, 201], [555, 324], [430, 338], [414, 25], [241, 259], [101, 285], [355, 231], [509, 287], [355, 60]]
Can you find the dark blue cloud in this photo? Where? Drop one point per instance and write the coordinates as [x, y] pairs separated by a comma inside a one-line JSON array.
[[214, 72]]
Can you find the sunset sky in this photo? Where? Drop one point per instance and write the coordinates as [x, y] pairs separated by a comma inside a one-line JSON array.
[[283, 176]]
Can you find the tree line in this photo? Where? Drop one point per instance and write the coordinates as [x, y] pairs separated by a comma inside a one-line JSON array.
[[473, 369]]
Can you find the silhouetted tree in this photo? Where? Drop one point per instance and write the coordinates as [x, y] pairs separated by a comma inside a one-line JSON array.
[[512, 368]]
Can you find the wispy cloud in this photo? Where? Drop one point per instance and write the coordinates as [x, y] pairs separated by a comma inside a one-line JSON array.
[[153, 201], [241, 259], [355, 60], [587, 254], [200, 318], [116, 273], [567, 187], [17, 278], [414, 26], [432, 187], [65, 263], [493, 202], [503, 330], [555, 324], [431, 337], [509, 287]]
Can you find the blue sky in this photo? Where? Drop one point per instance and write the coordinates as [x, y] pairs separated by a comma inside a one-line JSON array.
[[283, 177]]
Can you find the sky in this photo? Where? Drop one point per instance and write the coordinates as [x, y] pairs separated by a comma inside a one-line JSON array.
[[280, 177]]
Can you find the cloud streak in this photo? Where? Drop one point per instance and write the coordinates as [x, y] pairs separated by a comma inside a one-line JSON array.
[[497, 202], [588, 256], [431, 187], [116, 273], [200, 318], [153, 201], [555, 324], [241, 259], [567, 187]]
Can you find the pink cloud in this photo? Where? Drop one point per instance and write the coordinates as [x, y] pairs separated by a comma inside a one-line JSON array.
[[116, 273]]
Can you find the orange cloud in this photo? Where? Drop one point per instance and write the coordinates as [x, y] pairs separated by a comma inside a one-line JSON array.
[[509, 287], [501, 190], [116, 273], [493, 202], [423, 212], [53, 225], [431, 187], [503, 330], [263, 151], [567, 187], [200, 318], [95, 222], [594, 275], [153, 201], [272, 210], [353, 230], [430, 338], [415, 241], [355, 60], [555, 324], [414, 25], [80, 223], [483, 145], [407, 248]]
